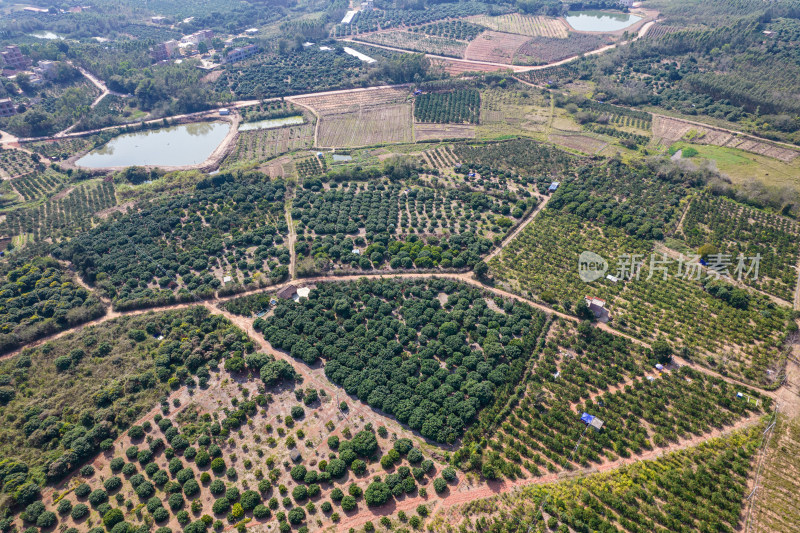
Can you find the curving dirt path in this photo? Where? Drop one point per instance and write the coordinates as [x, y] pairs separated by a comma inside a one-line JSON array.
[[461, 493], [520, 228]]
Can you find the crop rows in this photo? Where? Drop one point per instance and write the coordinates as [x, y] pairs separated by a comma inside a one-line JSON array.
[[311, 166], [658, 31], [269, 110], [523, 25], [641, 201], [632, 138], [265, 144], [441, 158], [620, 115], [452, 29], [413, 228], [15, 163], [702, 488], [275, 75], [539, 50], [459, 106], [774, 509], [495, 47], [332, 104], [182, 248], [62, 217], [36, 186], [63, 148], [735, 229], [367, 126], [378, 320], [552, 76], [614, 380], [418, 42], [710, 321], [37, 299], [522, 156], [374, 20]]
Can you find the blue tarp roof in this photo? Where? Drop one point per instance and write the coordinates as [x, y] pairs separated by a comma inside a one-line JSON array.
[[587, 418]]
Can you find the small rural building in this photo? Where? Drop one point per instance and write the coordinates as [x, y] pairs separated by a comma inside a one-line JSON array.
[[612, 279], [554, 186], [598, 307], [294, 454], [227, 279], [158, 19], [302, 292], [239, 54], [348, 17], [592, 421], [224, 112], [251, 31], [7, 108], [287, 293]]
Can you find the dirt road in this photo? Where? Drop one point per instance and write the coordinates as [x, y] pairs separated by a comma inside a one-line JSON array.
[[520, 228], [461, 494]]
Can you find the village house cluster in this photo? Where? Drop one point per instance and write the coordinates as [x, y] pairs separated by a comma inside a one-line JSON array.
[[187, 46], [13, 63]]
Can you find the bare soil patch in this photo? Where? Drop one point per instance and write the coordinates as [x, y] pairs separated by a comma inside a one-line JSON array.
[[495, 47], [423, 132]]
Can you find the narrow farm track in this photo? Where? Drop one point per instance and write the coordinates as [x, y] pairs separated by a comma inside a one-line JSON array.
[[513, 235], [797, 290], [290, 241], [456, 496], [514, 68], [214, 304], [314, 376]]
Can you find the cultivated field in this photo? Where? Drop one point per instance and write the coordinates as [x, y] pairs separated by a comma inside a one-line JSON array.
[[363, 118], [540, 50], [774, 507], [15, 163], [581, 143], [368, 126], [742, 342], [68, 211], [523, 25], [418, 42], [424, 132], [262, 145], [441, 158], [657, 31], [37, 186], [456, 68], [670, 130], [495, 47], [341, 103]]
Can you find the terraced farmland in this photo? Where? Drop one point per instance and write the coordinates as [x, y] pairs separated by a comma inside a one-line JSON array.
[[265, 144], [362, 119], [15, 163], [71, 211], [520, 24], [495, 47], [418, 42]]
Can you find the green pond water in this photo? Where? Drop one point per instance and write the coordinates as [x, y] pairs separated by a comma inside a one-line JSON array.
[[187, 144], [606, 21], [270, 123]]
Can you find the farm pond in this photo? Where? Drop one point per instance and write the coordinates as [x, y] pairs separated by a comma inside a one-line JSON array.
[[604, 21], [174, 146], [271, 123]]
